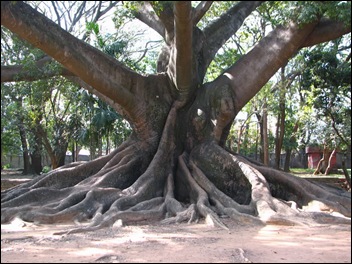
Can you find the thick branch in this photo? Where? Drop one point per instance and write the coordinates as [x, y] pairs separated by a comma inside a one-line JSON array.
[[254, 69], [146, 14], [90, 64], [226, 26], [326, 30], [164, 11], [17, 73], [200, 11]]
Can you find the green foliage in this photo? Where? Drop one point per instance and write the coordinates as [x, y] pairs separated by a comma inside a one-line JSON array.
[[160, 6], [282, 12], [6, 166], [46, 169], [98, 120], [221, 62], [328, 78], [93, 28], [216, 10], [116, 49]]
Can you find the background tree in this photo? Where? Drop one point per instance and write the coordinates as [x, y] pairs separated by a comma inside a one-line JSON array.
[[46, 124], [327, 77], [174, 163]]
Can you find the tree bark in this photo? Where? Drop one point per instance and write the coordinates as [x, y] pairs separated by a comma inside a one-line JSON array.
[[329, 166], [23, 137], [36, 154], [292, 140], [280, 126], [265, 135], [323, 162]]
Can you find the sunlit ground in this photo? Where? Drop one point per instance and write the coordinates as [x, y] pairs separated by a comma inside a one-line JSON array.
[[26, 242]]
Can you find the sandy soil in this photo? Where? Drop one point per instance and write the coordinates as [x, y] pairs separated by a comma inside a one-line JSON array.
[[27, 243], [151, 243]]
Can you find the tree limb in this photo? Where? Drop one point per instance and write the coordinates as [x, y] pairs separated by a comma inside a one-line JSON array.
[[274, 52], [146, 14], [91, 65], [164, 11], [18, 73], [326, 30], [200, 11], [218, 32]]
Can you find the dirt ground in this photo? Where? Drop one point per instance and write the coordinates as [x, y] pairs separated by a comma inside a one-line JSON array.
[[23, 242]]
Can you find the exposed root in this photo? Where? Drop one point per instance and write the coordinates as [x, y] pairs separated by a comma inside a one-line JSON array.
[[172, 205], [285, 208], [121, 217], [188, 215], [142, 200], [224, 204], [200, 197], [112, 193], [90, 190], [303, 192]]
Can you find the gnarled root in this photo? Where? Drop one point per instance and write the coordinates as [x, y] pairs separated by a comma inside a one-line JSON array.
[[209, 183], [276, 197]]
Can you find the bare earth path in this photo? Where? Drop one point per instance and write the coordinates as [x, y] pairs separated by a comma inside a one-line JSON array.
[[151, 243], [24, 242]]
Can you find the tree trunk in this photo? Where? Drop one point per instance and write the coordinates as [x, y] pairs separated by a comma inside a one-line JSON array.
[[73, 152], [289, 148], [265, 135], [329, 166], [323, 162], [345, 172], [280, 128], [23, 137], [174, 166], [25, 152], [36, 156]]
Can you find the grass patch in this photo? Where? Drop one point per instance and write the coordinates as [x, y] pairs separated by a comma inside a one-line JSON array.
[[301, 172]]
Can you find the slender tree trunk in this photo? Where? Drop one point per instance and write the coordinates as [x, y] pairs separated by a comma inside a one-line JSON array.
[[322, 164], [100, 145], [245, 139], [265, 135], [289, 148], [73, 151], [239, 137], [36, 154], [107, 151], [257, 140], [78, 149], [280, 130], [264, 144], [345, 172], [261, 134], [329, 167], [23, 136], [25, 153]]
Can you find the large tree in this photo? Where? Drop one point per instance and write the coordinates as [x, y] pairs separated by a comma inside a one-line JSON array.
[[174, 166]]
